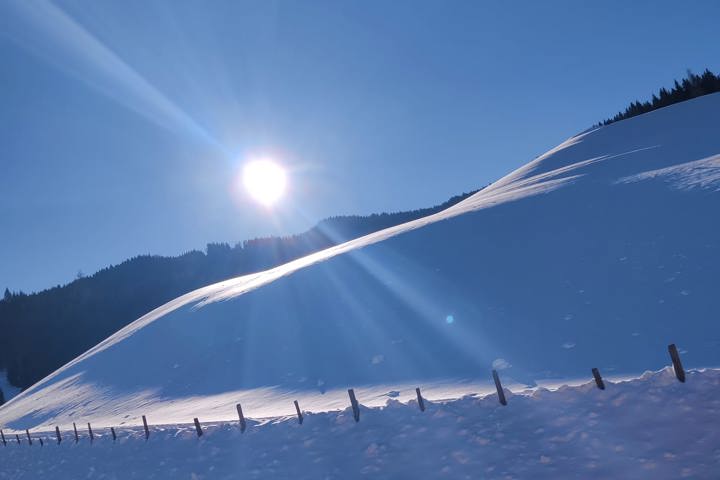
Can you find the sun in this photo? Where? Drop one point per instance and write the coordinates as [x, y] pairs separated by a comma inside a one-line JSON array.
[[265, 181]]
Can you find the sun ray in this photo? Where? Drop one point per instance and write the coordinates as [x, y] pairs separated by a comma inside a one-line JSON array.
[[47, 31]]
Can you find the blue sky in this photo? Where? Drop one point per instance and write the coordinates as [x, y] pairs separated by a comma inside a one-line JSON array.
[[125, 124]]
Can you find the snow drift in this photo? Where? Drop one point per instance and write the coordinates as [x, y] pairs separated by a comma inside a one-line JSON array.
[[651, 427], [599, 253]]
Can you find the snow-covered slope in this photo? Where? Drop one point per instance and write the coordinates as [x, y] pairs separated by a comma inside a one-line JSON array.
[[597, 254]]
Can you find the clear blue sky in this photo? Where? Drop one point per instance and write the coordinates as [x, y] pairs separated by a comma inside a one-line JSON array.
[[124, 125]]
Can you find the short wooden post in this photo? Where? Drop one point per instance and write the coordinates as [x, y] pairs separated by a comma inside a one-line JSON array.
[[242, 419], [27, 432], [57, 434], [598, 379], [3, 438], [41, 442], [354, 404], [498, 386], [76, 434], [147, 431], [112, 430], [677, 364], [92, 437], [299, 413], [198, 428], [18, 438], [421, 402]]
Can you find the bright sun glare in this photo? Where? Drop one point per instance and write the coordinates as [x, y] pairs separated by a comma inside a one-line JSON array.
[[265, 181]]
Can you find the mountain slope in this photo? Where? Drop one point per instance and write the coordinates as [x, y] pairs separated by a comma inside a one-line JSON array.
[[99, 305], [598, 253]]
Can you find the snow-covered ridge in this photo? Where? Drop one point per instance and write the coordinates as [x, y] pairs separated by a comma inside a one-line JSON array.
[[648, 427], [585, 257]]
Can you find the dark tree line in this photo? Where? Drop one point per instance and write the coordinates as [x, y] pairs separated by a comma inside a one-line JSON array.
[[691, 86], [42, 331]]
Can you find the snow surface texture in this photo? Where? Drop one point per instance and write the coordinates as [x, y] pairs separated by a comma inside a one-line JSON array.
[[651, 427], [599, 253]]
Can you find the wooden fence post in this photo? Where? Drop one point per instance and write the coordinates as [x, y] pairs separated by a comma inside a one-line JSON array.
[[57, 434], [677, 364], [354, 404], [598, 379], [76, 434], [3, 438], [498, 386], [198, 428], [27, 432], [112, 430], [299, 413], [147, 431], [421, 402], [242, 419], [92, 437]]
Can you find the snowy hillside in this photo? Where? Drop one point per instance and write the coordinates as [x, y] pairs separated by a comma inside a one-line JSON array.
[[597, 254]]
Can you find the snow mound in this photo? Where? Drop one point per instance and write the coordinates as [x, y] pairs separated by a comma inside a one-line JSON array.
[[649, 427], [599, 253]]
